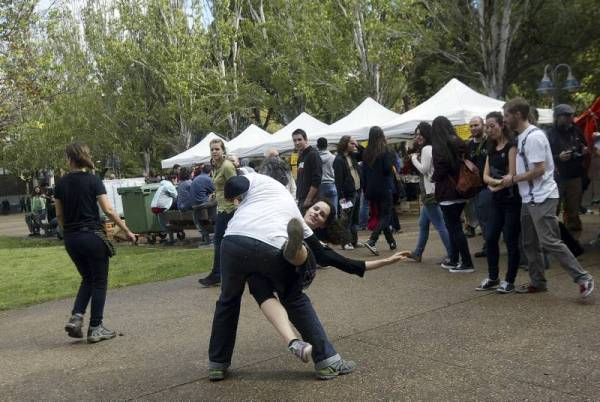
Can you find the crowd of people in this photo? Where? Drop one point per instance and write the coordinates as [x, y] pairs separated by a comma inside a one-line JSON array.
[[510, 174]]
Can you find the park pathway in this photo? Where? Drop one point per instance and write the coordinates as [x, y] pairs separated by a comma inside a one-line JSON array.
[[416, 332]]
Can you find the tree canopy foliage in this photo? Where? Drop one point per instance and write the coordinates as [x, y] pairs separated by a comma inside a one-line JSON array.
[[139, 80]]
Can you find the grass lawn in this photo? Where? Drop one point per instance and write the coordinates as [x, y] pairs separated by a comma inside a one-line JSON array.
[[38, 270]]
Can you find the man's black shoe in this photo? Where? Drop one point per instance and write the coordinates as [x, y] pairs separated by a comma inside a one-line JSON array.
[[209, 282]]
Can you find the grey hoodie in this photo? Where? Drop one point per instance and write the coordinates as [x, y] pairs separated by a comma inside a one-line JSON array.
[[328, 175]]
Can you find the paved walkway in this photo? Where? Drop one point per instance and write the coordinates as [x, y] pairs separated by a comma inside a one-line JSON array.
[[416, 331]]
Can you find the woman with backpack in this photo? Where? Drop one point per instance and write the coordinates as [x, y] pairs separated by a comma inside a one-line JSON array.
[[505, 210], [448, 152]]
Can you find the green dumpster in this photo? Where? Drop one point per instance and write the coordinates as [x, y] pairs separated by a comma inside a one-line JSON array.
[[136, 208]]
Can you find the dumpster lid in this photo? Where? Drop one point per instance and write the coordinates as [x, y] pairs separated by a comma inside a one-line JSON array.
[[144, 188]]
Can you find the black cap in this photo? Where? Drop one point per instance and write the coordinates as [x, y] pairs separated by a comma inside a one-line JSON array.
[[235, 186], [563, 109]]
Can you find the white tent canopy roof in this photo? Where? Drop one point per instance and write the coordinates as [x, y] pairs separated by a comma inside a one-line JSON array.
[[358, 123], [197, 154], [282, 139], [248, 139], [455, 100]]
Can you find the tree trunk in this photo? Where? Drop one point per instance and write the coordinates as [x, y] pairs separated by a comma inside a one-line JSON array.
[[146, 156]]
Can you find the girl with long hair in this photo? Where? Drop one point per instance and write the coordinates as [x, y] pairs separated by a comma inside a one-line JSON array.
[[77, 197], [505, 211], [377, 174], [447, 151], [430, 211]]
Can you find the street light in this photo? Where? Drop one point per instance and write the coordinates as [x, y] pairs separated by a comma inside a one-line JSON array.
[[547, 85]]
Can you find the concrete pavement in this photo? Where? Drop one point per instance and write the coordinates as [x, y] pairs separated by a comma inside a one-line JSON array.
[[416, 331]]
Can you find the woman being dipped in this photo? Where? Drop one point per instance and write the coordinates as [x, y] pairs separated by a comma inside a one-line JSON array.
[[77, 197]]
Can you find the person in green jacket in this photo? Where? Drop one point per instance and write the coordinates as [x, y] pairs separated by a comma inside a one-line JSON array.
[[38, 212]]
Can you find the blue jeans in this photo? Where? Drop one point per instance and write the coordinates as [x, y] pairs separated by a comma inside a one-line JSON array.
[[457, 236], [431, 213], [505, 218], [328, 190], [221, 223], [266, 260], [90, 256]]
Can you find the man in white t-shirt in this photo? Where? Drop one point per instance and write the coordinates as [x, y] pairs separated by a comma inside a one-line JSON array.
[[539, 192], [253, 244]]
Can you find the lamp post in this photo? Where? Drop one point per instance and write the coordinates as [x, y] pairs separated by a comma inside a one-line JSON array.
[[548, 85]]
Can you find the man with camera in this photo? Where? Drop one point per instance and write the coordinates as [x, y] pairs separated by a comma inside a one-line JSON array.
[[568, 150]]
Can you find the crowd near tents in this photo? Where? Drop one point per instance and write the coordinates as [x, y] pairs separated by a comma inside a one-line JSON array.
[[455, 100]]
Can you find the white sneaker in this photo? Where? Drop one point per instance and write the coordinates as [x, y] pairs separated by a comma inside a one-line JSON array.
[[586, 287], [488, 284]]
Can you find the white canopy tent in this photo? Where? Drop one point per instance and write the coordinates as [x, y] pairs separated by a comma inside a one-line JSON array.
[[282, 139], [455, 100], [358, 122], [243, 144], [199, 153]]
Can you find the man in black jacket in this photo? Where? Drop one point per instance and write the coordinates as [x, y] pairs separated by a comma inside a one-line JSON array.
[[310, 170], [477, 147], [568, 149]]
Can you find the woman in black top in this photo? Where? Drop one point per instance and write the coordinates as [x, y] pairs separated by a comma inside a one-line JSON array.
[[505, 210], [77, 197], [377, 175]]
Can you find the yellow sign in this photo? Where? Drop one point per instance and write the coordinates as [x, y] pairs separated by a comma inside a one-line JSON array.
[[463, 131]]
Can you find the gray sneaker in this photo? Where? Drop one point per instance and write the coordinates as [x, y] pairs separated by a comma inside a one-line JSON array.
[[340, 367], [99, 333], [217, 374], [302, 350], [73, 327], [586, 287]]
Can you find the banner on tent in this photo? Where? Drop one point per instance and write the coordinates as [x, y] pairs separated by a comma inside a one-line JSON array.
[[463, 131]]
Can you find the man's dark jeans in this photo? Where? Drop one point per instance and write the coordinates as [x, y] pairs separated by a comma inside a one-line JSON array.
[[221, 223], [241, 257], [458, 240], [90, 255], [505, 219]]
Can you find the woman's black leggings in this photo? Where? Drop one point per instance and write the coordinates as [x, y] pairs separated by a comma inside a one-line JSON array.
[[90, 255]]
